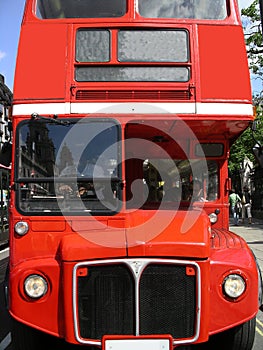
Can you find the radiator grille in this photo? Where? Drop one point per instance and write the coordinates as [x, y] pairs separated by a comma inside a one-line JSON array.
[[167, 300], [107, 305], [153, 95], [106, 302]]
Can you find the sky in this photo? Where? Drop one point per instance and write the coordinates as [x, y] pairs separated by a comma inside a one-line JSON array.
[[11, 12]]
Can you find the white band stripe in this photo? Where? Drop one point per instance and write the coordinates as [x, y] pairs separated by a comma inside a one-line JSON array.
[[233, 109]]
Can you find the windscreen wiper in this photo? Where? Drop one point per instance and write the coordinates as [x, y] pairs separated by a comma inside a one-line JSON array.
[[54, 119]]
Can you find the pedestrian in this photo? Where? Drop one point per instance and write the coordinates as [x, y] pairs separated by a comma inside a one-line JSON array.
[[246, 205], [235, 202]]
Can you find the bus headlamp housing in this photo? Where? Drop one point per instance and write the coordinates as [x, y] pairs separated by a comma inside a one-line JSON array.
[[35, 286], [234, 286], [213, 218], [21, 228]]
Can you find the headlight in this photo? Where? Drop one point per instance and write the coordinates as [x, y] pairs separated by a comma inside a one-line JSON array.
[[234, 286], [21, 228], [213, 218], [35, 286]]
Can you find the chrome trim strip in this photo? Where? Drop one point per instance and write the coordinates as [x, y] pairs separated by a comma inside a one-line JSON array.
[[137, 267]]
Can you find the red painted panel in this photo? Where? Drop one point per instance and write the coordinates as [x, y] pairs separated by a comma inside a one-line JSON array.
[[90, 245], [41, 62], [168, 233], [225, 313], [224, 71], [23, 308]]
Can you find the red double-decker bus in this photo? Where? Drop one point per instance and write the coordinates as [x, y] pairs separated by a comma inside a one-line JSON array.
[[123, 116]]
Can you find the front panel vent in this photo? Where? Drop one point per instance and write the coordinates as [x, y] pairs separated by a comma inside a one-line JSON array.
[[131, 95]]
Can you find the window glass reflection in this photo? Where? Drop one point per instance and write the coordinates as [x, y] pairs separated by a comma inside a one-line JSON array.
[[197, 9], [118, 73], [93, 46], [51, 9], [153, 46], [77, 162]]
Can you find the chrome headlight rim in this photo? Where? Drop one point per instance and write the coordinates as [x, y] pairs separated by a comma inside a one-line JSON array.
[[213, 218], [234, 286], [35, 286], [21, 228]]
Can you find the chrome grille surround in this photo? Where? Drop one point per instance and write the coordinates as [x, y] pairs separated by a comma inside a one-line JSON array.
[[137, 266]]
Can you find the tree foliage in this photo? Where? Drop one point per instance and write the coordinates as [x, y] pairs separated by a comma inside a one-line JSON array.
[[243, 147], [240, 150], [253, 36]]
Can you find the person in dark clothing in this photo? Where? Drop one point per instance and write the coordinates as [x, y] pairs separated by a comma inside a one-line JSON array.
[[246, 205]]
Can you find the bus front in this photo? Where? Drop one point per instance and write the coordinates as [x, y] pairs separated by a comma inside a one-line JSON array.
[[123, 118]]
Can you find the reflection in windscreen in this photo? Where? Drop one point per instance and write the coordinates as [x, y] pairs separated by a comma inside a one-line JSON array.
[[68, 167], [198, 9]]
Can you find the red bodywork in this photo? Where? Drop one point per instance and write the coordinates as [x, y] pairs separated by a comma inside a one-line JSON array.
[[54, 244]]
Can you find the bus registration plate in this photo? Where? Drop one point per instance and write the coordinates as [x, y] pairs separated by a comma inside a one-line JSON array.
[[138, 344]]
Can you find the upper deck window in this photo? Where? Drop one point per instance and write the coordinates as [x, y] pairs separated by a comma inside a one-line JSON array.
[[93, 46], [153, 46], [197, 9], [133, 46], [135, 74], [51, 9]]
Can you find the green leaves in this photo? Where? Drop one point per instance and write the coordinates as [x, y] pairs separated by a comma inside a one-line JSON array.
[[253, 36], [252, 11], [241, 149], [243, 146]]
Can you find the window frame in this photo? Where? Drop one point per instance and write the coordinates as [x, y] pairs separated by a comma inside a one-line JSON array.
[[115, 62]]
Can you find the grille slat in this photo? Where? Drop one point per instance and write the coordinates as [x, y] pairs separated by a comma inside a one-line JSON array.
[[167, 301], [153, 95]]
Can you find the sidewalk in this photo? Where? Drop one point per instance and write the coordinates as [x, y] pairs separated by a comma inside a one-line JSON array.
[[257, 225], [253, 234]]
